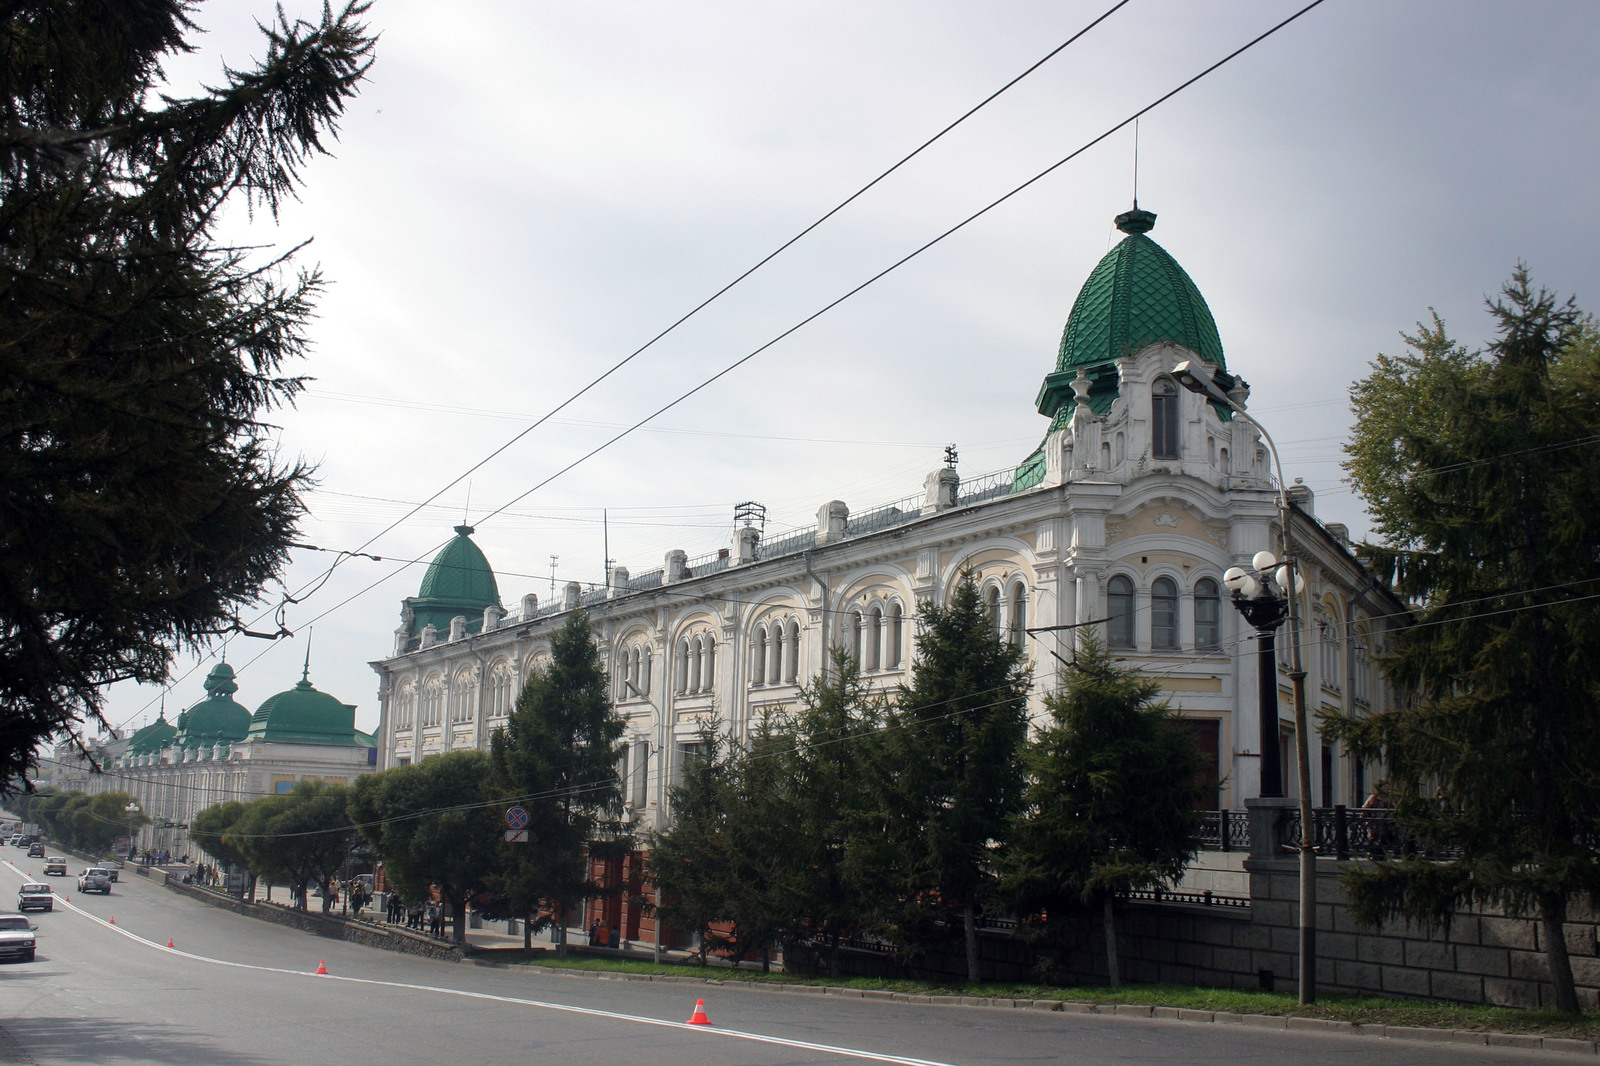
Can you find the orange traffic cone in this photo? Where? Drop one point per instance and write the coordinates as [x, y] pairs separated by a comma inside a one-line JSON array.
[[699, 1015], [113, 921], [322, 966], [169, 941]]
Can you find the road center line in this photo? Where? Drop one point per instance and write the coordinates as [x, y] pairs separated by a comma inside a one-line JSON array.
[[760, 1038]]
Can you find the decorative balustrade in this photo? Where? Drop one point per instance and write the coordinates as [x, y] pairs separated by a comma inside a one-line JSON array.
[[1361, 833], [1225, 830]]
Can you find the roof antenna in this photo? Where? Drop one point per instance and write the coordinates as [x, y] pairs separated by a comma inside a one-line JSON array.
[[466, 510], [1136, 164]]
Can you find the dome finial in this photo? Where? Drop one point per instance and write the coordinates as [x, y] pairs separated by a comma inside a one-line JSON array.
[[1137, 220], [305, 673]]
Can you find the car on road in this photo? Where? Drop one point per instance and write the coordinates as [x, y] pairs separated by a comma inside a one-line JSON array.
[[112, 867], [56, 866], [16, 937], [95, 879], [35, 851], [33, 896]]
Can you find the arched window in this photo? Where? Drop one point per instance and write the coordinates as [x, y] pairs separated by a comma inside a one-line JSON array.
[[708, 662], [1331, 660], [775, 663], [1163, 613], [758, 657], [1164, 420], [874, 639], [681, 684], [1361, 668], [696, 654], [644, 668], [462, 697], [1207, 615], [896, 643], [1017, 609], [405, 705], [1119, 612], [852, 635], [991, 599], [791, 666], [501, 683], [433, 700]]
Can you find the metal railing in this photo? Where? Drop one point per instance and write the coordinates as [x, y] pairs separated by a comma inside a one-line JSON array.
[[985, 487], [1225, 830], [1343, 833], [1197, 899]]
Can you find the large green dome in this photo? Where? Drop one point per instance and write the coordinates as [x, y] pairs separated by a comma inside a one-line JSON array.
[[304, 715], [1136, 296], [217, 718], [458, 582]]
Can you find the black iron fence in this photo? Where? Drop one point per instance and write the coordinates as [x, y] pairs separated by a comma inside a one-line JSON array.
[[1361, 833], [1225, 830]]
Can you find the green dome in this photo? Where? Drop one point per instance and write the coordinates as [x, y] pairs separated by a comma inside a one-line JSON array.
[[458, 582], [153, 737], [303, 715], [1137, 296], [217, 718]]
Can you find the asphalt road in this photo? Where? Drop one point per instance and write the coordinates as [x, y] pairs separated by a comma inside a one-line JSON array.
[[237, 992]]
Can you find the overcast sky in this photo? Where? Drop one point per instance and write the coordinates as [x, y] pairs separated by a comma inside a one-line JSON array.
[[525, 192]]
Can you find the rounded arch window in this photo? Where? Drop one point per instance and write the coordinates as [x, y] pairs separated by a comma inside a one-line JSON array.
[[1119, 612], [1017, 612], [1207, 615], [1164, 420], [1163, 613]]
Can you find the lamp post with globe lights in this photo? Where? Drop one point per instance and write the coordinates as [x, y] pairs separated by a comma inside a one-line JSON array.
[[1271, 594]]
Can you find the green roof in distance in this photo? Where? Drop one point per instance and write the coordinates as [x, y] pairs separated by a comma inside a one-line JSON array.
[[304, 715], [459, 581], [217, 718]]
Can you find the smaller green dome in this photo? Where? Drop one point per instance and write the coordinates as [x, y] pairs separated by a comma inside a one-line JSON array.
[[304, 715], [153, 737], [217, 718], [459, 581]]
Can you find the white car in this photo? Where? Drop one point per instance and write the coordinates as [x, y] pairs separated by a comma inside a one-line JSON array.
[[16, 937]]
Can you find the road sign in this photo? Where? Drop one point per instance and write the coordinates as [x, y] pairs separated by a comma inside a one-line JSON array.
[[516, 818], [517, 836]]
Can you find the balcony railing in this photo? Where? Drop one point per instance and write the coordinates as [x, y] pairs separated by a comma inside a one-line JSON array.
[[1225, 830]]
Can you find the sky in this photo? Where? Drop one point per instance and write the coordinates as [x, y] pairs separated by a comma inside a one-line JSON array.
[[524, 193]]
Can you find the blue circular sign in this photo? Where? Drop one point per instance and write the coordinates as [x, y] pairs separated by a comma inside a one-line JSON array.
[[517, 818]]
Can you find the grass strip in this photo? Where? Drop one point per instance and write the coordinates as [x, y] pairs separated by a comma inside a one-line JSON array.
[[1360, 1009]]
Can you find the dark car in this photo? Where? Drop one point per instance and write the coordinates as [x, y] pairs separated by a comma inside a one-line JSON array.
[[35, 851], [32, 896]]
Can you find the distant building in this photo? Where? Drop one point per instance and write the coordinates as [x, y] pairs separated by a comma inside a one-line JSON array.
[[218, 751], [1138, 498]]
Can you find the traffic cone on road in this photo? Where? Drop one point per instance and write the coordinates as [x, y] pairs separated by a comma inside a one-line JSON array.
[[113, 921], [322, 967], [699, 1015], [169, 941]]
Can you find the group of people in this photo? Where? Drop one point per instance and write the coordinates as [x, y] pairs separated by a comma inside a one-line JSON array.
[[602, 937], [413, 915]]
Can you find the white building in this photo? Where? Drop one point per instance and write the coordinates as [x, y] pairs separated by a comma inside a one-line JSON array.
[[1137, 500]]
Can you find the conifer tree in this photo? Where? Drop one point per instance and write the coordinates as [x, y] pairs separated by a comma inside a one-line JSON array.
[[949, 774], [1114, 786], [145, 503], [689, 860], [1482, 474], [556, 757]]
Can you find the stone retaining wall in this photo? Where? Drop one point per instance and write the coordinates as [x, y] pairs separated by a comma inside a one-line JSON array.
[[331, 926]]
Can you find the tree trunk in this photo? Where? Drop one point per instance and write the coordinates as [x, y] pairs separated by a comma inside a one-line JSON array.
[[561, 931], [1554, 910], [969, 923], [458, 903], [527, 931], [833, 954], [1113, 968]]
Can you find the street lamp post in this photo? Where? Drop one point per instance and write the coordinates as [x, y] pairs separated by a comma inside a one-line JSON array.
[[132, 811], [1196, 376]]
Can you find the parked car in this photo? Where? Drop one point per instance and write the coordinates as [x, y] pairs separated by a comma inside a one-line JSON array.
[[35, 851], [33, 896], [56, 866], [16, 937], [95, 879]]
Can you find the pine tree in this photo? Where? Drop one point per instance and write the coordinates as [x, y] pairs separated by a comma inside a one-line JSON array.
[[1482, 474], [689, 860], [1114, 787], [556, 757], [949, 773], [145, 504]]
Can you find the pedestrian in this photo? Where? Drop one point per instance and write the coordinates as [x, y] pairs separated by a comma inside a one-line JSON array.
[[594, 931]]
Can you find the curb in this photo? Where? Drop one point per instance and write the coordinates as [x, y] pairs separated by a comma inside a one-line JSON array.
[[1285, 1022]]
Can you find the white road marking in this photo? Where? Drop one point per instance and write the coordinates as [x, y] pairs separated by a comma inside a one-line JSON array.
[[760, 1038]]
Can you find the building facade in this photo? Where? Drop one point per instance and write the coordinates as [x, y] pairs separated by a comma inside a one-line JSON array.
[[217, 751], [1138, 499]]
